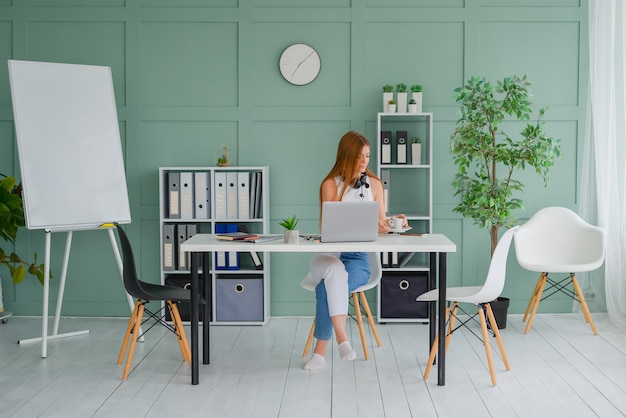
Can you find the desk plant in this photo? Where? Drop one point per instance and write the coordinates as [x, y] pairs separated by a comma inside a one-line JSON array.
[[11, 220], [487, 157], [291, 234]]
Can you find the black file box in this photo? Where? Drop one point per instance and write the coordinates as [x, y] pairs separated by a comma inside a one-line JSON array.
[[184, 308], [398, 290], [239, 297]]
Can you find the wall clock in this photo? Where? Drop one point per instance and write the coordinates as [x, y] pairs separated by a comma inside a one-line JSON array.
[[299, 64]]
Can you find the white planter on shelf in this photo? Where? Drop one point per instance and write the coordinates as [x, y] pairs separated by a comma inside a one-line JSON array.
[[386, 98], [416, 154], [391, 108], [418, 100], [401, 100], [412, 108], [292, 236]]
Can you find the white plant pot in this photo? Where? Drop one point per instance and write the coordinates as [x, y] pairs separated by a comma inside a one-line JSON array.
[[416, 154], [386, 98], [418, 101], [292, 236], [401, 101], [412, 108], [391, 108]]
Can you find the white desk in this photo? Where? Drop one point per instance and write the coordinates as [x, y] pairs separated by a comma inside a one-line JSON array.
[[204, 244]]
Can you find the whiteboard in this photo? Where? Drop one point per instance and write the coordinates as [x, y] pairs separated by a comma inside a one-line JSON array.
[[69, 145]]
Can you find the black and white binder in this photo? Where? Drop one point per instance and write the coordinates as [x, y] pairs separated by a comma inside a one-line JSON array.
[[256, 259], [401, 147], [181, 236], [173, 195], [220, 195], [385, 147], [258, 194], [186, 195], [243, 194], [231, 195], [169, 258], [384, 177]]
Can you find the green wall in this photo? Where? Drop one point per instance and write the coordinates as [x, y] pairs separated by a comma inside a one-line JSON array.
[[193, 75]]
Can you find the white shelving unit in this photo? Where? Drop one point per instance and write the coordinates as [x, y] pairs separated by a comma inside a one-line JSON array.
[[240, 295], [408, 190]]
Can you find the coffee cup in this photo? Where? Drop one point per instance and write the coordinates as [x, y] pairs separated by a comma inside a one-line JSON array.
[[395, 223]]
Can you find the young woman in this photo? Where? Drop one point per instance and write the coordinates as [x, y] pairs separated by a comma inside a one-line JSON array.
[[338, 274]]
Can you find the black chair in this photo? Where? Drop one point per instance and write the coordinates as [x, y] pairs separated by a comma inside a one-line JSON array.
[[146, 292]]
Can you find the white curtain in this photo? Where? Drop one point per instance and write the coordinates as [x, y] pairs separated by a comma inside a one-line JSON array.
[[603, 180]]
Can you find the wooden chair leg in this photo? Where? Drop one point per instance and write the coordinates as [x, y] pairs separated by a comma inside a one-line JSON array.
[[179, 331], [370, 318], [533, 297], [537, 299], [483, 327], [131, 324], [451, 317], [133, 342], [359, 321], [496, 331], [583, 304], [182, 334], [309, 340], [433, 349]]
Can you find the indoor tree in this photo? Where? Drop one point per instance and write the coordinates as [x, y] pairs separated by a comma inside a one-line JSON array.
[[487, 157]]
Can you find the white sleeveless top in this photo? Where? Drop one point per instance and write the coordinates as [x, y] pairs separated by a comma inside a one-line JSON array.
[[362, 194]]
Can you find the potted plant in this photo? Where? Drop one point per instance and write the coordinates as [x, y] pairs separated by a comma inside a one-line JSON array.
[[412, 106], [401, 97], [387, 95], [416, 150], [486, 156], [11, 220], [416, 94], [291, 233], [391, 106], [224, 159]]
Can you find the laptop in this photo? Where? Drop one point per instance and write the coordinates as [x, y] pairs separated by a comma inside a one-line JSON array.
[[349, 221]]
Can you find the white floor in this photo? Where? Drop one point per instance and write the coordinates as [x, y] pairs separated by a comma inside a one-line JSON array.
[[558, 370]]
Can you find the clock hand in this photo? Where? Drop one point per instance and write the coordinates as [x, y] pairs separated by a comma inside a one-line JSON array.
[[301, 62]]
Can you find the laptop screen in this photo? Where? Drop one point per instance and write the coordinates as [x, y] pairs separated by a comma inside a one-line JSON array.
[[349, 221]]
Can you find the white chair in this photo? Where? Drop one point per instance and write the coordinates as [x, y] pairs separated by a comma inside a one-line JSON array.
[[376, 273], [481, 296], [557, 240]]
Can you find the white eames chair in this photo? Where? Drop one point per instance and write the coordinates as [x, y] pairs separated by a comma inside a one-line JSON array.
[[557, 240], [376, 273], [481, 296]]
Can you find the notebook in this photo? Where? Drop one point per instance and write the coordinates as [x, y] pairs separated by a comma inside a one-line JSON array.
[[349, 221]]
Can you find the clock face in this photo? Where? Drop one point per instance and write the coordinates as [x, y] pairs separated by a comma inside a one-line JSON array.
[[299, 64]]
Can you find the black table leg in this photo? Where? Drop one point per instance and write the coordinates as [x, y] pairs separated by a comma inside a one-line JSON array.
[[432, 306], [194, 318], [441, 368], [206, 312]]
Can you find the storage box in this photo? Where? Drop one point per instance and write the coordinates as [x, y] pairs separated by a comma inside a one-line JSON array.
[[398, 290], [239, 298], [184, 308]]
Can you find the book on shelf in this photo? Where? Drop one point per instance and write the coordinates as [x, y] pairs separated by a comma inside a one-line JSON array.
[[236, 236]]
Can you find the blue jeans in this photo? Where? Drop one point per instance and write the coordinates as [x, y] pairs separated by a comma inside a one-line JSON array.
[[357, 265]]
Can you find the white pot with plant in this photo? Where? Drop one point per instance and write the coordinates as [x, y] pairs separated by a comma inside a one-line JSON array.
[[292, 235], [412, 106], [416, 94], [391, 106], [416, 151], [401, 97], [387, 95]]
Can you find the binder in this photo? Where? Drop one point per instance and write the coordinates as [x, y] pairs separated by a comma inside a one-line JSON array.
[[385, 175], [404, 259], [243, 192], [220, 195], [186, 195], [256, 260], [231, 195], [401, 147], [384, 259], [220, 256], [394, 259], [169, 258], [385, 147], [258, 194], [232, 259], [252, 198], [173, 193], [181, 236], [202, 194]]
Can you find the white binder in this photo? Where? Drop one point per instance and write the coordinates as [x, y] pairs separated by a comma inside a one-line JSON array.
[[385, 145], [173, 194], [243, 192], [186, 195], [181, 236], [231, 195], [201, 196], [384, 177], [220, 195]]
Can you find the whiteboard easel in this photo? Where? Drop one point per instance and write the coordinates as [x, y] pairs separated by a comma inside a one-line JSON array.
[[71, 159]]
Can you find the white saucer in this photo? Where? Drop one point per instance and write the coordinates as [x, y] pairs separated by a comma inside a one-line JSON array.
[[399, 231]]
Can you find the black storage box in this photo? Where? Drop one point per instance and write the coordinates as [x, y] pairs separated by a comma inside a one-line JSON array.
[[184, 308], [398, 290]]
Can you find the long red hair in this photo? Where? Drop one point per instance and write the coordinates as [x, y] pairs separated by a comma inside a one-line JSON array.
[[347, 162]]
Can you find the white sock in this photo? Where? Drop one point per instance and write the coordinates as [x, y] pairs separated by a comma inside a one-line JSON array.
[[346, 352], [316, 362]]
